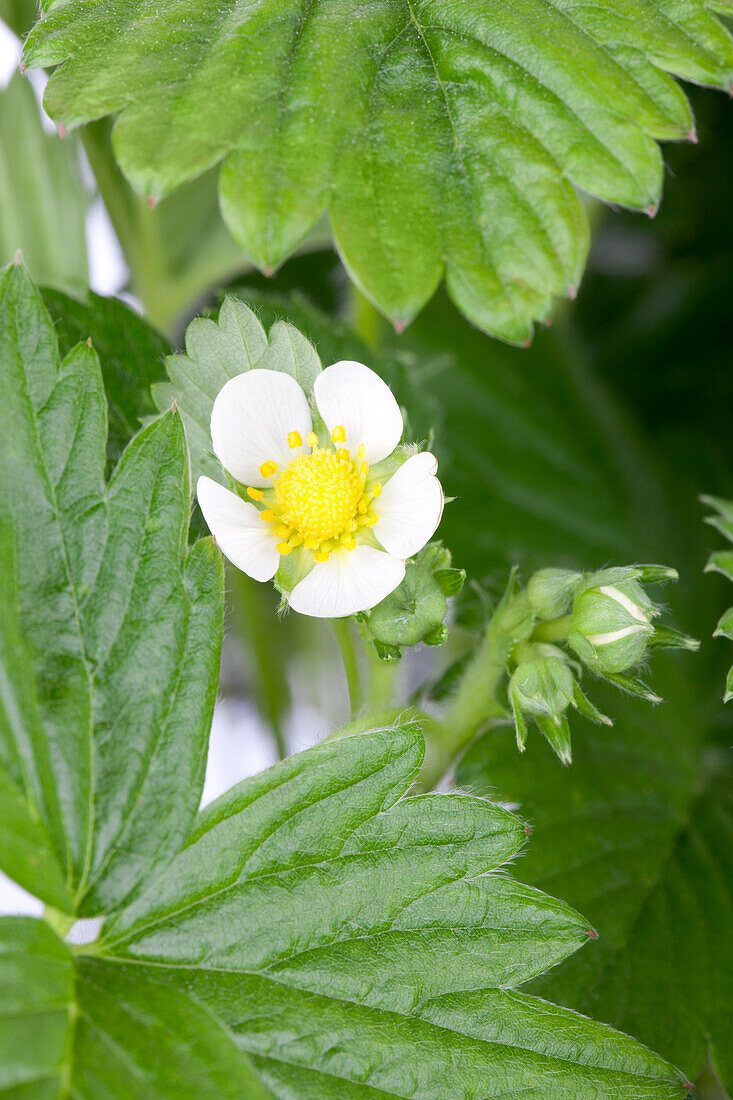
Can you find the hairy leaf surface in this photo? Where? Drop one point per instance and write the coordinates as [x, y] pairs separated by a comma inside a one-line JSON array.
[[445, 138], [317, 900], [122, 627]]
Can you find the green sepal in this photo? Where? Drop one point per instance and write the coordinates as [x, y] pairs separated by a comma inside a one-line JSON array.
[[415, 610], [387, 653], [450, 580], [633, 686], [666, 637], [558, 735], [520, 724], [551, 590], [437, 636], [655, 574], [583, 705], [724, 629], [721, 562]]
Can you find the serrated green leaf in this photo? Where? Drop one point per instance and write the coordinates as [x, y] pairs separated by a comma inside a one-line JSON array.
[[445, 138], [131, 354], [660, 913], [123, 627], [43, 202], [319, 900], [219, 350]]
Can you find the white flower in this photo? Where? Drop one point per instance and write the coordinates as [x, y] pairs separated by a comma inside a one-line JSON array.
[[318, 497]]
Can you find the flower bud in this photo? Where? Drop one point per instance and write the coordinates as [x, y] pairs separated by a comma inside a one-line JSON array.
[[550, 591], [611, 625], [543, 689]]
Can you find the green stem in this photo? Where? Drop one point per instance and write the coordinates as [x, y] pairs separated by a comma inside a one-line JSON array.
[[60, 922], [342, 631], [476, 700], [556, 630]]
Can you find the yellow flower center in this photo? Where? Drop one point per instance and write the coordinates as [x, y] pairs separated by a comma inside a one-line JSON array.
[[318, 494], [320, 500]]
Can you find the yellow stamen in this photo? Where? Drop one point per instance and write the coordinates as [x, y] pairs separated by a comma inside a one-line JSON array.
[[320, 494], [267, 469], [256, 494], [371, 520], [321, 555], [348, 544], [343, 454], [268, 515], [294, 440], [283, 548], [361, 451], [282, 531], [365, 468], [376, 489], [295, 540], [338, 435], [311, 439]]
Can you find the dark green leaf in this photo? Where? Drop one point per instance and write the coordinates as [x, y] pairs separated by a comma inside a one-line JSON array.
[[618, 834], [43, 201], [122, 627], [445, 138], [130, 351]]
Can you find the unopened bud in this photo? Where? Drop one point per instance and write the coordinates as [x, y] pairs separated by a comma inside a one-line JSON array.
[[611, 626], [543, 690], [550, 591]]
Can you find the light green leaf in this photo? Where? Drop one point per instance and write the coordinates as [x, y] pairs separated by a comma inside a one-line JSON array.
[[445, 138], [123, 628], [217, 351], [43, 201], [362, 942], [99, 1031]]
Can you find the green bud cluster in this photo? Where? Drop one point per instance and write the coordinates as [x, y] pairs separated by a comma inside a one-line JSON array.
[[415, 612], [606, 621]]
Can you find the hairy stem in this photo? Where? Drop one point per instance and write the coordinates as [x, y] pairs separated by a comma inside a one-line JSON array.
[[476, 700]]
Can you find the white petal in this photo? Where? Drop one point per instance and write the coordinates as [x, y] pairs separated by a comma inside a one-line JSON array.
[[352, 395], [250, 421], [350, 581], [239, 532], [410, 506]]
